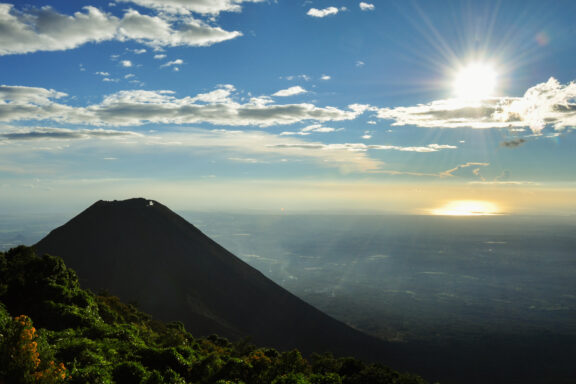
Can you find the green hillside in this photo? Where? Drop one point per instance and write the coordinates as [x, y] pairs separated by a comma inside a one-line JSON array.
[[53, 331]]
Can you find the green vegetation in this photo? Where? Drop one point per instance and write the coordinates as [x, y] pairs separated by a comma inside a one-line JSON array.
[[81, 337]]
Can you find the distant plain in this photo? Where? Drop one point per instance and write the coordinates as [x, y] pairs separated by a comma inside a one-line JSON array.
[[491, 290]]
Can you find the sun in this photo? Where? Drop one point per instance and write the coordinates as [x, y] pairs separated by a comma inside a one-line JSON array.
[[467, 208], [475, 81]]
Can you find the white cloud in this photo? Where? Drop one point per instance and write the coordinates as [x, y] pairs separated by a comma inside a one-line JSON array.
[[318, 128], [366, 6], [421, 149], [126, 63], [221, 95], [322, 12], [314, 128], [546, 104], [296, 90], [45, 29], [360, 63], [247, 160], [172, 63], [102, 73], [160, 56], [193, 6], [360, 147], [261, 100], [292, 133], [325, 77], [157, 31], [139, 107]]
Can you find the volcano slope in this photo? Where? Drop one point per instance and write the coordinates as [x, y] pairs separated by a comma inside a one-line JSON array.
[[141, 251]]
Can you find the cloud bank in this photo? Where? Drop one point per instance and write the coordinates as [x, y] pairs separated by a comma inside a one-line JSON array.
[[138, 107], [44, 29], [546, 104]]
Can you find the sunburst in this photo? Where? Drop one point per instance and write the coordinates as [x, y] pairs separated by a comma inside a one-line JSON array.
[[467, 208], [475, 81]]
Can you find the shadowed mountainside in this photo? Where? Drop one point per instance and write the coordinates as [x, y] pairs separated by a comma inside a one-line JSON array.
[[143, 252]]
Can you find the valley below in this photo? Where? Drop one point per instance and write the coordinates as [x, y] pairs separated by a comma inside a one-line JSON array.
[[489, 298], [488, 294]]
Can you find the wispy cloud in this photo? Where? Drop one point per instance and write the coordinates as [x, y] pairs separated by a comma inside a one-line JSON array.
[[470, 169], [314, 128], [303, 77], [62, 134], [296, 90], [509, 183], [360, 147], [172, 63], [246, 146], [318, 128], [460, 171]]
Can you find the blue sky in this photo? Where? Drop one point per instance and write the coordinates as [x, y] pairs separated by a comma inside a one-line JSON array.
[[294, 105]]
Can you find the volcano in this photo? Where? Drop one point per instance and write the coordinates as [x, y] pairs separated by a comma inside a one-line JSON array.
[[142, 252]]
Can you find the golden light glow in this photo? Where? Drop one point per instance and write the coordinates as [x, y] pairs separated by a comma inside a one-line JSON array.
[[467, 208], [475, 81]]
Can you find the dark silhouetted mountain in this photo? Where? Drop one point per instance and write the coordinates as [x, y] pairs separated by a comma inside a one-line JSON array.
[[143, 252]]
